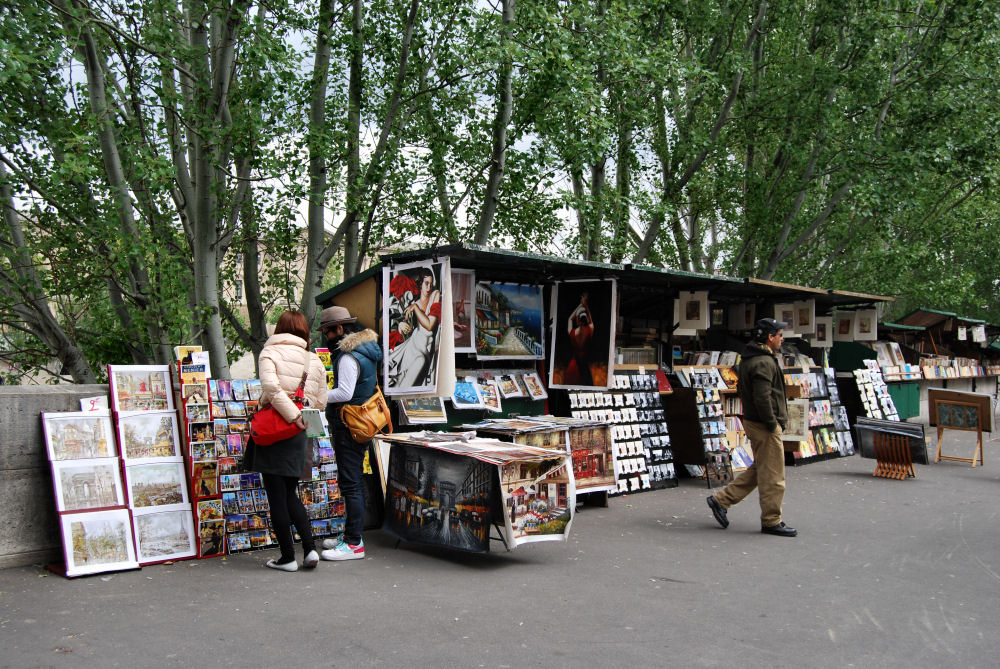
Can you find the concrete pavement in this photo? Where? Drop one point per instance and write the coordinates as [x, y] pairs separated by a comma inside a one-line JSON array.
[[883, 574]]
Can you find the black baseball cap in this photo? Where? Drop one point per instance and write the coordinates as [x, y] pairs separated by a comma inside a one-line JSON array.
[[770, 326]]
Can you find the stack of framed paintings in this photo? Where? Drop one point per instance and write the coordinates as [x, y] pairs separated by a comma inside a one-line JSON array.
[[151, 452], [94, 519]]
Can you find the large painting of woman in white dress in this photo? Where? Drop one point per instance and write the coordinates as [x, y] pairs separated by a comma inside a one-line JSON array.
[[412, 313]]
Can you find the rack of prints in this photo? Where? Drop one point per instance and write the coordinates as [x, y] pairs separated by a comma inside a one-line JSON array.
[[826, 418], [233, 510], [875, 397], [151, 451], [643, 457], [90, 499], [321, 494]]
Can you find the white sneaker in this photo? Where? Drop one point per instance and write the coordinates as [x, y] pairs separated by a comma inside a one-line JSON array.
[[345, 551], [333, 541], [310, 560], [288, 566]]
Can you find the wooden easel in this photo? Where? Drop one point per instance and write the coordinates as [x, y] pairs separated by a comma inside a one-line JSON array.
[[977, 455]]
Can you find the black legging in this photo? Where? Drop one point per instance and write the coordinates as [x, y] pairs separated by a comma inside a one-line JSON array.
[[286, 509]]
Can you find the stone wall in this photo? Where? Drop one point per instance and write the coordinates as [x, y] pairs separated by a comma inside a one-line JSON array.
[[30, 533]]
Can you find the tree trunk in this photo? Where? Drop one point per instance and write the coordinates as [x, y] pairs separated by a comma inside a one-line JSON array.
[[34, 308], [317, 153], [505, 106]]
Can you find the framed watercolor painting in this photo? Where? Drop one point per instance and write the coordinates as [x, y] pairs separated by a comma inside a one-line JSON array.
[[76, 435], [148, 435], [164, 535], [160, 484], [97, 541], [87, 484], [140, 388]]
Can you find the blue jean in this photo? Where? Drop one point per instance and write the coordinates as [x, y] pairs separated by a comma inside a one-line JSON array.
[[350, 458]]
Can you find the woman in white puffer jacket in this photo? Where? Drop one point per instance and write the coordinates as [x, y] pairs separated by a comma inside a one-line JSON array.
[[282, 361]]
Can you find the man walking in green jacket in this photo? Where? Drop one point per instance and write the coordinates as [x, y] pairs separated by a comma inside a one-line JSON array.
[[761, 388]]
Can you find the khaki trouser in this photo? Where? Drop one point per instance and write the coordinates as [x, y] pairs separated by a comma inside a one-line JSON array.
[[767, 474]]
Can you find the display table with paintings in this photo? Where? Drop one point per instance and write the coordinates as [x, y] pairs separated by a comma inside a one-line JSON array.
[[450, 488], [588, 442]]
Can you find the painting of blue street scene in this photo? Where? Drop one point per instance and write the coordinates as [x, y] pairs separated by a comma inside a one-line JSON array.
[[509, 321]]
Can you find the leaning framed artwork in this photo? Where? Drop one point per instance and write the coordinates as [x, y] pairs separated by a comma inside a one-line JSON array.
[[164, 535], [97, 541], [140, 388], [75, 435], [87, 484], [148, 435], [161, 484]]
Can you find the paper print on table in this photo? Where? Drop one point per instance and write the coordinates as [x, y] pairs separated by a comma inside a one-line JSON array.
[[538, 499], [593, 459], [140, 387], [466, 395], [585, 314], [148, 435], [87, 484], [509, 387], [509, 321], [164, 535], [438, 498], [416, 309], [156, 485], [463, 288], [533, 383], [423, 410], [97, 541], [489, 391], [74, 435]]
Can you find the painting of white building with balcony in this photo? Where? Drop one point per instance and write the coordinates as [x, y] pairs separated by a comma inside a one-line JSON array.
[[509, 323]]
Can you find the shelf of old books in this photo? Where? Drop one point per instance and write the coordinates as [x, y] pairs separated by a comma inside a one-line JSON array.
[[632, 406]]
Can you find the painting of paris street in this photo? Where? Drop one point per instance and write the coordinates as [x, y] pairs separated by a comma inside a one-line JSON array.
[[149, 435], [97, 541], [509, 322], [438, 498], [140, 387], [160, 484], [75, 435], [539, 498], [168, 535]]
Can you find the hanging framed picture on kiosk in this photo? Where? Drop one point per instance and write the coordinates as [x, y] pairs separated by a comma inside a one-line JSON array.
[[585, 315]]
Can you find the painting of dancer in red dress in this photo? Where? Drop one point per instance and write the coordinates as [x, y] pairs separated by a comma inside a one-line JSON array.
[[583, 334]]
